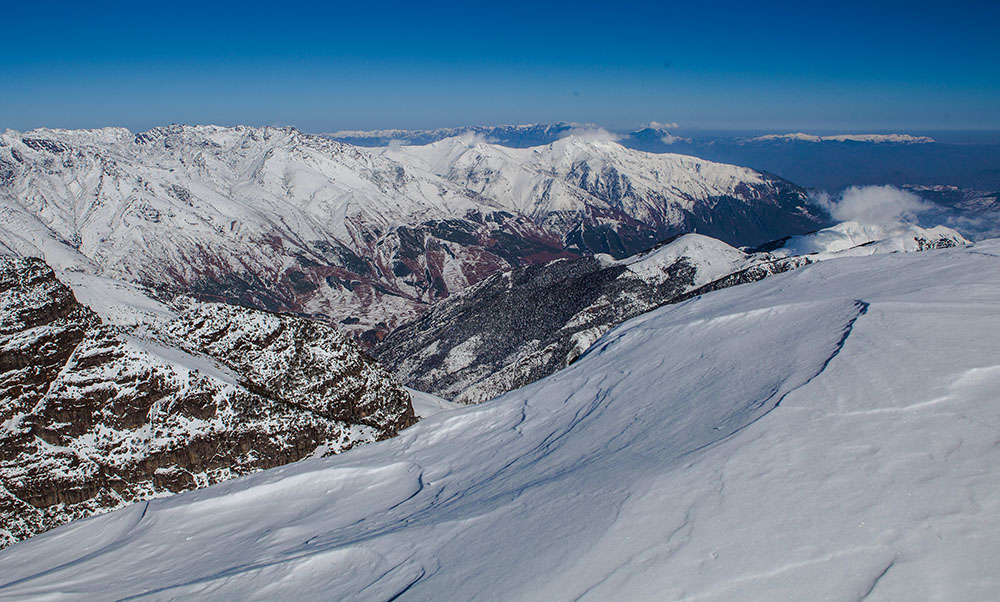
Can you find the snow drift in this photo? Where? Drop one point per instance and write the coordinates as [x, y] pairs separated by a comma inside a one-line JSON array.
[[828, 434]]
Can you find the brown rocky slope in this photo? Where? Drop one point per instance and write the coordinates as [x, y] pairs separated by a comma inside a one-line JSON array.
[[93, 418]]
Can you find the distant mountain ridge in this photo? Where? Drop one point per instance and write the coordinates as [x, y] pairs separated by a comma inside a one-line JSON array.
[[516, 136], [537, 134], [875, 138], [830, 160]]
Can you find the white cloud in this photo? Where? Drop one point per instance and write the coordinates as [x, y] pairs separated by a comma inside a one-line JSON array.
[[882, 205], [592, 134], [670, 139], [471, 139], [657, 125]]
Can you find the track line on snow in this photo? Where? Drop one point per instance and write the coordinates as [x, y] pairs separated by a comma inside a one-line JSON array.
[[871, 587], [862, 309], [409, 586], [118, 542]]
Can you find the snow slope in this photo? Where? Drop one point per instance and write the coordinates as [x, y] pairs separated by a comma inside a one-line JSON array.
[[830, 433], [428, 404]]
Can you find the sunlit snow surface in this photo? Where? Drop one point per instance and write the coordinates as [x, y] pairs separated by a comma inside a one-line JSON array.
[[830, 433], [428, 404]]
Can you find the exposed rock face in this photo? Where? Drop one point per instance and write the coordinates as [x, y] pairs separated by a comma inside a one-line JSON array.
[[94, 418], [40, 324], [306, 364], [924, 244]]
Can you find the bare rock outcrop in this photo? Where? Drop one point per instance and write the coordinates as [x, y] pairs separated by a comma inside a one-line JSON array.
[[93, 418]]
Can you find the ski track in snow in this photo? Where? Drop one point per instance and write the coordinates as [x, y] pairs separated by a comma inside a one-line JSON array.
[[829, 434]]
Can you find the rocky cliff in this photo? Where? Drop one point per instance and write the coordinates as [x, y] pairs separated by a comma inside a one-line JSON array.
[[94, 418]]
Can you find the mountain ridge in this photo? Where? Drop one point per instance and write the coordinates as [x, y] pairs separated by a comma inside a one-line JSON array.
[[96, 416], [281, 220]]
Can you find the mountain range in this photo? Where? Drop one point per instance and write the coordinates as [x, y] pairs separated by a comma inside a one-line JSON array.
[[828, 161], [688, 383], [361, 238]]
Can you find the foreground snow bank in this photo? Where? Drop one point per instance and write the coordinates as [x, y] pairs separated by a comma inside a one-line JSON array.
[[827, 434]]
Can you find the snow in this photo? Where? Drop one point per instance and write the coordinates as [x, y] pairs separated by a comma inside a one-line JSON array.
[[195, 208], [537, 181], [181, 361], [854, 238], [874, 138], [118, 303], [713, 258], [462, 355], [426, 405], [831, 433]]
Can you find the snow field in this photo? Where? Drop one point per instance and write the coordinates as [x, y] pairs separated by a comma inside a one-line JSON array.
[[827, 434]]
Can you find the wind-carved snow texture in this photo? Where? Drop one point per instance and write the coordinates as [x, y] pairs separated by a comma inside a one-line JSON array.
[[517, 327], [660, 465], [363, 238], [94, 418]]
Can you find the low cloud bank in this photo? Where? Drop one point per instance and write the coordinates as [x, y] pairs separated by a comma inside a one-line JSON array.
[[973, 225], [882, 205], [890, 207], [592, 134]]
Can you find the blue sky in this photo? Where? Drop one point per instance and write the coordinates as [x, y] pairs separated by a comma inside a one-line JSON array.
[[847, 66]]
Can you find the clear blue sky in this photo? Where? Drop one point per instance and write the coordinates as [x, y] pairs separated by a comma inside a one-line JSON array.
[[366, 64]]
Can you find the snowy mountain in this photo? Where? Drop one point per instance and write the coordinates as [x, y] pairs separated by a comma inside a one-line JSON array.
[[516, 327], [631, 199], [538, 134], [873, 138], [830, 161], [95, 416], [853, 238], [366, 239], [825, 434]]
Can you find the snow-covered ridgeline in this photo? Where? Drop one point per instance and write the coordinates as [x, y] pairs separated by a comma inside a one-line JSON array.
[[828, 433], [853, 238], [872, 138], [365, 238]]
